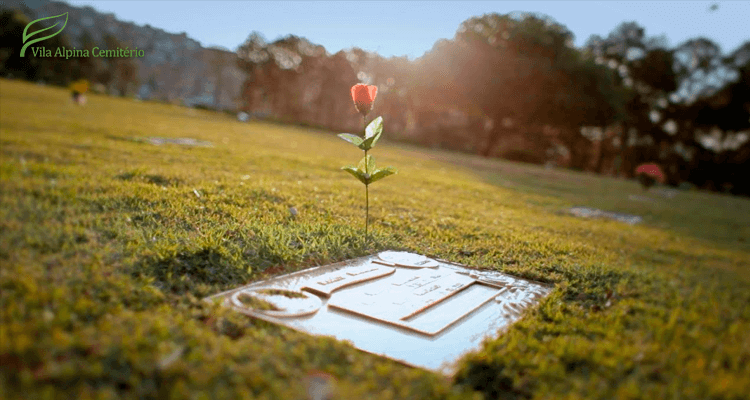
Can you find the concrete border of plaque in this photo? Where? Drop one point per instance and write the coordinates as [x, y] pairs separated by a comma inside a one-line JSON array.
[[420, 311]]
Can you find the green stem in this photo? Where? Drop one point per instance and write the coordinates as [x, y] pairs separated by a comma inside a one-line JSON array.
[[367, 187]]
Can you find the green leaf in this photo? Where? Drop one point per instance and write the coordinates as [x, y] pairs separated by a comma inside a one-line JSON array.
[[368, 144], [353, 139], [372, 133], [357, 174], [367, 164], [27, 36], [375, 127], [382, 173]]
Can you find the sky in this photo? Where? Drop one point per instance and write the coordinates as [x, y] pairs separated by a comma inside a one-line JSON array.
[[411, 28]]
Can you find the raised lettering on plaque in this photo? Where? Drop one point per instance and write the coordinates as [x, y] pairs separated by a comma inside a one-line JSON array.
[[326, 284], [425, 300]]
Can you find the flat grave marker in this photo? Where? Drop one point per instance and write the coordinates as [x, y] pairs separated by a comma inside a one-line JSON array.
[[587, 212], [420, 311], [158, 141]]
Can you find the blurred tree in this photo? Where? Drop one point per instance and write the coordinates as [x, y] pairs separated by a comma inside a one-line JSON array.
[[293, 79], [522, 71], [587, 96], [338, 77], [435, 84], [706, 97], [699, 68], [90, 67], [490, 66], [121, 73], [646, 66], [52, 70], [715, 118], [12, 24], [219, 59], [253, 57], [271, 81], [285, 81], [391, 76]]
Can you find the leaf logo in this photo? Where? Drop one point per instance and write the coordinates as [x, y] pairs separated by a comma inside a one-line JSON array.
[[27, 36]]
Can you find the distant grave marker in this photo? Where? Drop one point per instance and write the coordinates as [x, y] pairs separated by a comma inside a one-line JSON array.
[[643, 199], [586, 212], [667, 193], [158, 141], [420, 311]]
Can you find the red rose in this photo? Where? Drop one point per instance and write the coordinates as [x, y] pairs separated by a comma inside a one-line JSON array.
[[651, 170], [363, 96]]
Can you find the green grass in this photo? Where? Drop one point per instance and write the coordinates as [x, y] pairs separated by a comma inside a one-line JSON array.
[[255, 303], [108, 244]]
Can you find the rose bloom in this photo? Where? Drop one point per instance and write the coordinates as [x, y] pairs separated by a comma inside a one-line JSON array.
[[651, 170], [363, 97]]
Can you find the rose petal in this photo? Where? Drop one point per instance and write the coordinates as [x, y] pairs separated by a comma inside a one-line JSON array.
[[373, 92]]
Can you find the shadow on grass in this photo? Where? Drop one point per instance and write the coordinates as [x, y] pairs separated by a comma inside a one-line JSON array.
[[209, 269], [489, 378], [198, 272], [158, 180]]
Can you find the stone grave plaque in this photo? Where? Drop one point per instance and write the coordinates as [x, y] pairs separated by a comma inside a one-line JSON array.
[[587, 212], [422, 312]]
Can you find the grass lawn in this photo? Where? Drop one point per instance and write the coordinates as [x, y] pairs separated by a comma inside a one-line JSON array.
[[108, 243]]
